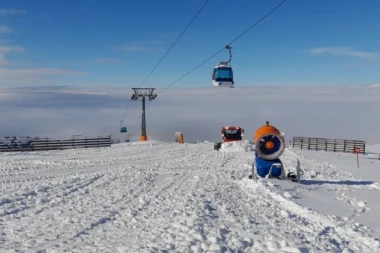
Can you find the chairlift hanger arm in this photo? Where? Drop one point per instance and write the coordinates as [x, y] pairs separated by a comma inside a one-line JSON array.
[[229, 50]]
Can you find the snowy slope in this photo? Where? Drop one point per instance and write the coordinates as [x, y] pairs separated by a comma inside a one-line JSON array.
[[168, 197]]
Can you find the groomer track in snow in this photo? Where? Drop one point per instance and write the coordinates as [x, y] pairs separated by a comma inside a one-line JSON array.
[[164, 197]]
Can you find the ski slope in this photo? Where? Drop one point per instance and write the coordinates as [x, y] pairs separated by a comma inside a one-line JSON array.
[[170, 197]]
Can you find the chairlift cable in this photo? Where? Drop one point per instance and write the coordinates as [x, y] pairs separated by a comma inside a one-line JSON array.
[[192, 20], [219, 51], [228, 45]]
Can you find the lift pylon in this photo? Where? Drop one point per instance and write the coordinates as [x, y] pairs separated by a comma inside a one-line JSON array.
[[143, 93]]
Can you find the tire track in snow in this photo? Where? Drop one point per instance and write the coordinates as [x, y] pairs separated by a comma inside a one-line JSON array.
[[149, 219], [321, 232], [93, 217], [27, 199], [16, 167], [32, 199], [118, 208], [151, 223], [198, 225], [69, 212], [134, 217]]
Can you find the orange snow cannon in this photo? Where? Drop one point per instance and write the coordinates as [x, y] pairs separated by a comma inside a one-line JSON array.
[[269, 143]]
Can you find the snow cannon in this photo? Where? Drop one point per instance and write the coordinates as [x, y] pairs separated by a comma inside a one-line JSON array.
[[269, 146], [269, 143]]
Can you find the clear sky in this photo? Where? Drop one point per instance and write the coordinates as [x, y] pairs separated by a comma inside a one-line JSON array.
[[118, 42]]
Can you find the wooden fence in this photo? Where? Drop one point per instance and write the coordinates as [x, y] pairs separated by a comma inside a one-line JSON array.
[[12, 144], [333, 145]]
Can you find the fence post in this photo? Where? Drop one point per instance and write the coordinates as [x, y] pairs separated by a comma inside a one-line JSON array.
[[344, 146]]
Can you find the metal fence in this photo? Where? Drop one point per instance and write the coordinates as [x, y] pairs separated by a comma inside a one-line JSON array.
[[333, 145], [12, 144]]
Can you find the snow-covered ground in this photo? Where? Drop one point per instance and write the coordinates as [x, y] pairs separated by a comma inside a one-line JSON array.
[[170, 197]]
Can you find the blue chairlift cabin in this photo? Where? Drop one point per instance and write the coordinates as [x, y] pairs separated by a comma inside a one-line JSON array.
[[222, 76], [123, 129]]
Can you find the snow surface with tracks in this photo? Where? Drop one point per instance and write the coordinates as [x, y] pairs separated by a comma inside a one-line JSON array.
[[170, 197]]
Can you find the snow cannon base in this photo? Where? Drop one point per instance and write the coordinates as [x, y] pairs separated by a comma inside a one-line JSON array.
[[262, 168], [269, 168]]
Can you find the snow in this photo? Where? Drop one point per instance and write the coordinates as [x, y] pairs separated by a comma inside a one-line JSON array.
[[236, 146], [169, 197]]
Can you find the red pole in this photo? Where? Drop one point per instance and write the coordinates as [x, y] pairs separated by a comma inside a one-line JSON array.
[[357, 159], [357, 151]]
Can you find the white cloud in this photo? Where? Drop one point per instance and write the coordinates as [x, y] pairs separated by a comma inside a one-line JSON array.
[[375, 85], [3, 61], [142, 46], [40, 71], [7, 49], [315, 111], [9, 12], [132, 48], [5, 29], [102, 61], [347, 51], [91, 61], [4, 41], [33, 75], [27, 75]]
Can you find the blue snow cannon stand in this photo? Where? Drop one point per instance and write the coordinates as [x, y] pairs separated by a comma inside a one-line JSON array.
[[263, 167]]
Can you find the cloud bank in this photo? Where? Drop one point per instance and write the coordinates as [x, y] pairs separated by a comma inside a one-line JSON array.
[[313, 111], [11, 12], [345, 51], [5, 29]]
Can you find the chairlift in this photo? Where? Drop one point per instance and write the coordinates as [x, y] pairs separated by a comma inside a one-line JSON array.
[[222, 75], [123, 129]]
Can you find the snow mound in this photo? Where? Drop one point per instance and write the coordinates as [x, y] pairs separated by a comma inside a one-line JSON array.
[[236, 146]]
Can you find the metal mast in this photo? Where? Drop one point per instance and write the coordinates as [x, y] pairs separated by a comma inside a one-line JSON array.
[[143, 93]]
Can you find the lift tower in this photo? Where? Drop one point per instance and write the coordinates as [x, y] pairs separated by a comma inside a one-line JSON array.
[[143, 93]]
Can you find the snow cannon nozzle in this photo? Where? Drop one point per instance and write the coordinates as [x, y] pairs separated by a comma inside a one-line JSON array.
[[269, 143]]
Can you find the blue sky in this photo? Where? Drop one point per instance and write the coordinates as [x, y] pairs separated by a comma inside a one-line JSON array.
[[116, 43]]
